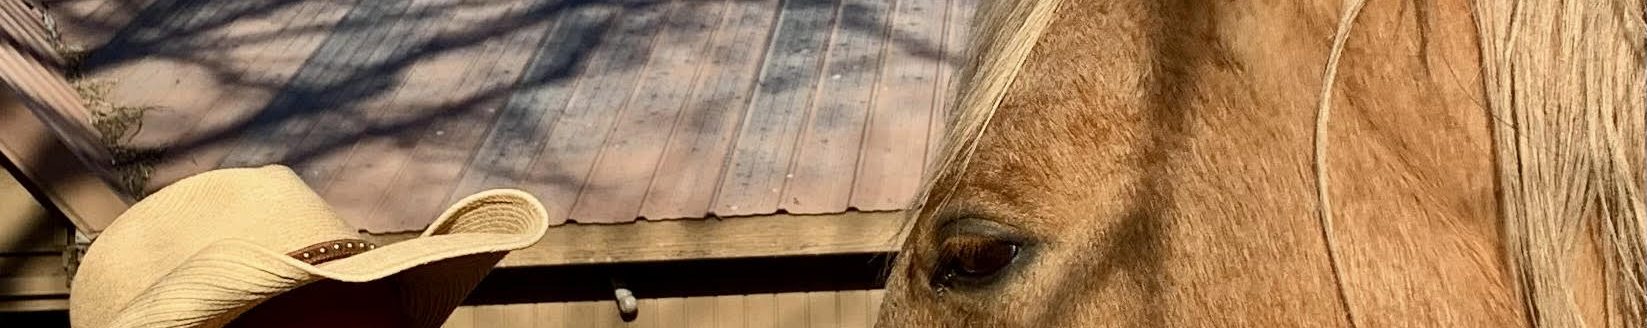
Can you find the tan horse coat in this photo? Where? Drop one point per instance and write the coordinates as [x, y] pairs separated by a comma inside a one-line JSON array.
[[1155, 159]]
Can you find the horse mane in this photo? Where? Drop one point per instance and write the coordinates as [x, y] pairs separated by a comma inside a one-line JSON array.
[[1563, 82], [1003, 34]]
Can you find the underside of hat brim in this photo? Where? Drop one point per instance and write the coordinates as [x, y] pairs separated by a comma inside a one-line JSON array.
[[230, 277]]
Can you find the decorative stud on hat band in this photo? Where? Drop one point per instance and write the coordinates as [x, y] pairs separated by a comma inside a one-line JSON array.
[[331, 250]]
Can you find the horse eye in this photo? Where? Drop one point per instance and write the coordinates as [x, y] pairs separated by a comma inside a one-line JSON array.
[[973, 259]]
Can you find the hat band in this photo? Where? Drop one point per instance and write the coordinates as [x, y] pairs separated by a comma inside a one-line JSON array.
[[331, 250]]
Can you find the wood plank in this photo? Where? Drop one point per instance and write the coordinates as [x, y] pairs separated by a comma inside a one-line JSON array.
[[39, 156], [875, 299], [447, 128], [823, 309], [689, 172], [34, 305], [847, 308], [625, 165], [34, 286], [539, 100], [579, 314], [551, 315], [564, 163], [506, 315], [756, 172], [519, 315], [765, 236], [667, 312], [730, 311], [855, 311], [462, 317], [646, 314], [600, 314], [829, 150], [792, 310], [894, 153], [761, 311], [33, 264], [25, 223], [700, 312]]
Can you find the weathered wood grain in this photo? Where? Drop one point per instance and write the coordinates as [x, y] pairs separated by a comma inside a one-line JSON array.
[[875, 298], [855, 311], [804, 309], [462, 317], [506, 315], [792, 310], [730, 311], [761, 311], [823, 310], [779, 235]]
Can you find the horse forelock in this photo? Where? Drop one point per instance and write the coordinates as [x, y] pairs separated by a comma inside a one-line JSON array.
[[1004, 34]]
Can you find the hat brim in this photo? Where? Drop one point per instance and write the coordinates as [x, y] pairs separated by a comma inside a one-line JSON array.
[[435, 271]]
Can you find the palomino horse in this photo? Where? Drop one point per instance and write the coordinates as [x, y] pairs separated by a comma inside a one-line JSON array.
[[1171, 163]]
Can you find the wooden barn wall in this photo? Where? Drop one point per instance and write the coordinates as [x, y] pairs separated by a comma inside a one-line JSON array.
[[32, 274], [847, 309]]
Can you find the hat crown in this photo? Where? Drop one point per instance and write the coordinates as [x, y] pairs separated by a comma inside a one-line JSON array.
[[268, 206]]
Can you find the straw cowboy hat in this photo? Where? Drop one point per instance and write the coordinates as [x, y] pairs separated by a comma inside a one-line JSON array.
[[255, 246]]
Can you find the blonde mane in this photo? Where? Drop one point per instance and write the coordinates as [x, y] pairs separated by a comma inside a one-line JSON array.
[[1004, 32], [1563, 84]]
